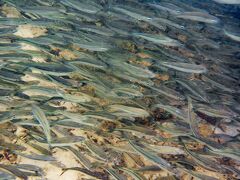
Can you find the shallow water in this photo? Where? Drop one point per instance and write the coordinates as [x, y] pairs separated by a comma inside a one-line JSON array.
[[119, 89]]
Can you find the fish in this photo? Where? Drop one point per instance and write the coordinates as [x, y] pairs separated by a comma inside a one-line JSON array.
[[115, 174], [121, 26], [64, 141], [137, 129], [39, 148], [168, 92], [13, 170], [89, 63], [133, 174], [80, 156], [84, 6], [168, 23], [45, 11], [34, 168], [39, 90], [13, 21], [97, 30], [36, 156], [199, 17], [130, 12], [198, 175], [185, 67], [5, 175], [220, 86], [159, 39], [9, 47], [167, 7], [176, 129], [42, 119], [12, 146], [217, 111], [145, 82], [127, 111], [96, 150], [163, 149], [232, 35], [213, 146], [127, 148], [127, 92], [94, 174], [224, 151], [206, 162], [138, 71], [94, 46], [10, 75], [227, 1], [79, 98], [173, 110], [74, 116], [55, 69], [162, 163], [192, 118], [101, 116], [194, 89]]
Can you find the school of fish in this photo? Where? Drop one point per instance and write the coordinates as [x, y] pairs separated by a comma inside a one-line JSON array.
[[132, 89]]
